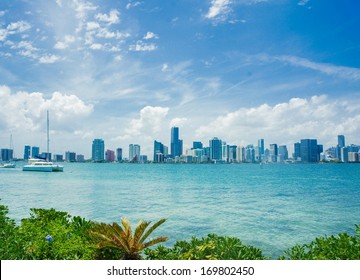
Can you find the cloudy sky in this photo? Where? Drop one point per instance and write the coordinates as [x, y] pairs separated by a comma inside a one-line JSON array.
[[126, 71]]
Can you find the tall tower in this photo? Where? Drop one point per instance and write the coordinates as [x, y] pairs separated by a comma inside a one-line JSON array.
[[98, 150], [341, 141], [175, 142], [215, 149]]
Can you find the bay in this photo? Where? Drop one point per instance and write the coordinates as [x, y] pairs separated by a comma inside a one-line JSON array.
[[271, 206]]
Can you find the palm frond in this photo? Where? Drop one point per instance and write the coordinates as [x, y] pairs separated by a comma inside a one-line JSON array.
[[154, 241], [150, 230], [139, 231]]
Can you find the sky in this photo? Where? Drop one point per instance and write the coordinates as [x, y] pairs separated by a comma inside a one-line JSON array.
[[127, 71]]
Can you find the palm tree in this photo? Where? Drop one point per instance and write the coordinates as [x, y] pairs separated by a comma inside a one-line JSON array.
[[120, 237]]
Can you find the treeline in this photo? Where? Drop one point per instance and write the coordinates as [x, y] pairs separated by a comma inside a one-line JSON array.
[[54, 235]]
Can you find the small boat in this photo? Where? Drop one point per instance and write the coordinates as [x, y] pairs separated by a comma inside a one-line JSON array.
[[42, 166], [36, 164], [8, 165]]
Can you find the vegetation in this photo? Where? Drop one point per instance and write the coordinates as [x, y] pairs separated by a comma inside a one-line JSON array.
[[121, 238], [51, 234], [211, 247], [340, 247]]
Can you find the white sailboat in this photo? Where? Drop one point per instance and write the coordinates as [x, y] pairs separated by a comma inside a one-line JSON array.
[[9, 164], [42, 165]]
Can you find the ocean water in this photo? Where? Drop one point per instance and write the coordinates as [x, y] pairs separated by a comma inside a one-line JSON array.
[[270, 206]]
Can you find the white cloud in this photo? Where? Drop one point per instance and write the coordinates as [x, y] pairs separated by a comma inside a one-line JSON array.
[[111, 18], [49, 59], [329, 69], [68, 39], [132, 5], [164, 67], [303, 2], [14, 28], [142, 47], [82, 8], [28, 110], [91, 25], [219, 9], [96, 46], [286, 123], [150, 35], [179, 122]]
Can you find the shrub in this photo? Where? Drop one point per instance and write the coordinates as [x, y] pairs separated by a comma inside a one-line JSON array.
[[211, 247], [340, 247]]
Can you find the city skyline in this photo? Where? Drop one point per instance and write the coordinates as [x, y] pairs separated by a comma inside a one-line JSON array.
[[128, 71]]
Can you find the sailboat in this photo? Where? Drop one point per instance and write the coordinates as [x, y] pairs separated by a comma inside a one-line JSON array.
[[36, 164]]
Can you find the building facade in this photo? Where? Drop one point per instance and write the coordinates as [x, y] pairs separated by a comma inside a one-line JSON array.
[[98, 150]]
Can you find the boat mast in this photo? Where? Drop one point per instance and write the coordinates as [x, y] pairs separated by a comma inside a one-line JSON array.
[[48, 140]]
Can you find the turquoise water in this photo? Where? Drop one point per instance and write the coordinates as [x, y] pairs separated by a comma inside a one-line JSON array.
[[270, 206]]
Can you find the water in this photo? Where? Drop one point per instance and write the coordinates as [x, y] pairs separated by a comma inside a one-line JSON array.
[[271, 206]]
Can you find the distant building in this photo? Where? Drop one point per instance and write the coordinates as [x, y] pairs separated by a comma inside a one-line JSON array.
[[353, 157], [176, 145], [297, 151], [215, 149], [134, 153], [341, 141], [110, 155], [197, 145], [98, 150], [310, 150], [273, 152], [80, 158], [27, 152], [35, 151], [344, 154], [70, 156], [158, 151], [240, 154], [143, 159], [119, 154], [282, 153], [6, 154], [58, 158], [261, 149]]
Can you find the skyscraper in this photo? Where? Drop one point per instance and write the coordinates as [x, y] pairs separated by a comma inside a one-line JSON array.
[[158, 151], [197, 145], [341, 141], [175, 143], [297, 151], [261, 147], [109, 155], [309, 150], [27, 152], [35, 151], [98, 150], [215, 149], [119, 154], [273, 152], [134, 153]]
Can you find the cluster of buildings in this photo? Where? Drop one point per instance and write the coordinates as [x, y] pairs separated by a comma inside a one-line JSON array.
[[218, 151]]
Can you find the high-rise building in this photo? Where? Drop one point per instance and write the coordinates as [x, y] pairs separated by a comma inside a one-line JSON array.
[[98, 150], [341, 141], [273, 152], [232, 153], [35, 151], [70, 156], [297, 151], [309, 150], [175, 141], [158, 150], [282, 153], [215, 149], [225, 151], [240, 157], [134, 153], [344, 154], [27, 150], [109, 155], [119, 156], [197, 145], [6, 154], [261, 149], [80, 158]]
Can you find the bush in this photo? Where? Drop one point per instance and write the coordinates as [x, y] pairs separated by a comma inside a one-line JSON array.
[[51, 234], [211, 247], [340, 247]]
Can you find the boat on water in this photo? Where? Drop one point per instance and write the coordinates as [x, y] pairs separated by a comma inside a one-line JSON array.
[[8, 165], [36, 164], [42, 165]]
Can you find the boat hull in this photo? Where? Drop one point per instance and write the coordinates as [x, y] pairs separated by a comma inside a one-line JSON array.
[[53, 168]]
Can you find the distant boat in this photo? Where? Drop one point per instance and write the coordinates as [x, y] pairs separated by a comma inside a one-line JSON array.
[[8, 165], [42, 165]]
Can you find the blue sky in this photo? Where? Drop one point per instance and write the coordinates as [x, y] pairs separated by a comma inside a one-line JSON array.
[[126, 71]]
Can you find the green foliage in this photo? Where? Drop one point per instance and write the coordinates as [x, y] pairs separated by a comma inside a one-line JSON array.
[[211, 247], [10, 244], [340, 247], [122, 241]]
